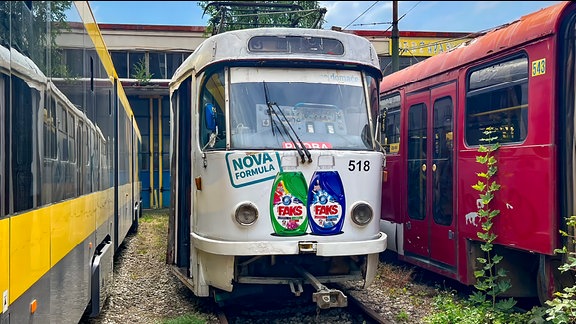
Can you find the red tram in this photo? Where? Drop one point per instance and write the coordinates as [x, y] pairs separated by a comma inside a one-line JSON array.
[[520, 80]]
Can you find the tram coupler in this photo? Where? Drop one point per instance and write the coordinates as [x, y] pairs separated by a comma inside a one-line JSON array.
[[324, 297]]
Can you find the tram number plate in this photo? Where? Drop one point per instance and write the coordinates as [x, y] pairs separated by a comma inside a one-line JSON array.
[[359, 165], [539, 67]]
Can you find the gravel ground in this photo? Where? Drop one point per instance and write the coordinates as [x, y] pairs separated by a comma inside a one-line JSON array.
[[146, 291]]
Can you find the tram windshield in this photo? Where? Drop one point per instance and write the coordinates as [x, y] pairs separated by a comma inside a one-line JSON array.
[[276, 109]]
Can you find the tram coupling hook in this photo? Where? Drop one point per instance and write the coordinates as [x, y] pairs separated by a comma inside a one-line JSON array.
[[324, 297]]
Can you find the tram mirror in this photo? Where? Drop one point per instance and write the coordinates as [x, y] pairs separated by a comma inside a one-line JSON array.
[[210, 113]]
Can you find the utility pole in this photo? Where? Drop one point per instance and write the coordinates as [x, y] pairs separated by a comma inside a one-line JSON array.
[[395, 37]]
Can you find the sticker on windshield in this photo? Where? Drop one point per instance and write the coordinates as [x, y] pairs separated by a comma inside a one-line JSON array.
[[323, 76]]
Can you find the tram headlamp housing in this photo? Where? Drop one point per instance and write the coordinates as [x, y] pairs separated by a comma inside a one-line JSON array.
[[246, 214], [362, 214]]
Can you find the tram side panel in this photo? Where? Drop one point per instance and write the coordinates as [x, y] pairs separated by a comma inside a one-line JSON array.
[[57, 234], [515, 91], [57, 187]]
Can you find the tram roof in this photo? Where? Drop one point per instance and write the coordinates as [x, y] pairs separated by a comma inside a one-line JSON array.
[[535, 25], [233, 45], [13, 62]]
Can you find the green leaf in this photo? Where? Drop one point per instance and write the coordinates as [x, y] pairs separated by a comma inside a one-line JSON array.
[[477, 298], [505, 305], [492, 160], [483, 148], [487, 247], [479, 186], [502, 271], [562, 250], [494, 213], [494, 186], [487, 225], [487, 198], [482, 236], [497, 258], [492, 171], [492, 236]]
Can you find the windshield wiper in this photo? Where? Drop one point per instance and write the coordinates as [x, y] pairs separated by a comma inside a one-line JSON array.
[[302, 150]]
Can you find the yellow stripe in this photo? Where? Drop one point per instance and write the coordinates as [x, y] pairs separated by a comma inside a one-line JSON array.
[[106, 206], [29, 250], [93, 30], [39, 239], [4, 258]]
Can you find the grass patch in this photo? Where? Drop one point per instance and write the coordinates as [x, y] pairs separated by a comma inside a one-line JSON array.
[[449, 308], [153, 233], [185, 319]]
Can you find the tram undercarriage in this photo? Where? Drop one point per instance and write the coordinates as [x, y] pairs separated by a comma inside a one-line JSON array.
[[252, 273]]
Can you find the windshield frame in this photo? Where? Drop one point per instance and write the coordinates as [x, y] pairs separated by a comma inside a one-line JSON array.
[[337, 102]]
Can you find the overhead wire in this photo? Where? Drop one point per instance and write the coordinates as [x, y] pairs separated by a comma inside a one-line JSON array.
[[384, 23], [410, 49], [362, 14]]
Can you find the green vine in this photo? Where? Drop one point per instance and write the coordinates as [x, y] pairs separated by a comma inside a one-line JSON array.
[[562, 308], [491, 281]]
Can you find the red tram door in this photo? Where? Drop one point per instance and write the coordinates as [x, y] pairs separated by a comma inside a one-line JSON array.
[[430, 227]]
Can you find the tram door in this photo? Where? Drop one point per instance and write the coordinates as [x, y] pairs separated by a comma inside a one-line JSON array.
[[430, 227]]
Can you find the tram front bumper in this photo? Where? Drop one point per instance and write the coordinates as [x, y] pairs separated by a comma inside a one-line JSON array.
[[292, 247]]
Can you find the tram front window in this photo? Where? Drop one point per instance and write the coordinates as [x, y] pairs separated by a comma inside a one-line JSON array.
[[272, 109]]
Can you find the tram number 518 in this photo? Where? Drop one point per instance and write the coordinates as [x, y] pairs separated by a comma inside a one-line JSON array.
[[359, 165]]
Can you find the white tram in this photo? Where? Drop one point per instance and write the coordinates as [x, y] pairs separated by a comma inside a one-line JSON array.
[[277, 176]]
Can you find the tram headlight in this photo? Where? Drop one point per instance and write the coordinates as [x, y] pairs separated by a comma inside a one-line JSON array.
[[246, 214], [362, 214]]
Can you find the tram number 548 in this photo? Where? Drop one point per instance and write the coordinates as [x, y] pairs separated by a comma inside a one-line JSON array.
[[359, 165], [539, 67]]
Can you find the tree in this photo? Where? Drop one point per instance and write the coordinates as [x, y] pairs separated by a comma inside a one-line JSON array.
[[233, 15], [31, 28]]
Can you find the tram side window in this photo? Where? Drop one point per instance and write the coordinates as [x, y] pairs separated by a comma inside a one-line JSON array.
[[390, 124], [50, 129], [62, 121], [212, 95], [23, 165], [497, 98], [71, 141]]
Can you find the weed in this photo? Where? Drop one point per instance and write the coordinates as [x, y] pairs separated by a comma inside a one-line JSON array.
[[402, 316], [491, 281], [185, 319]]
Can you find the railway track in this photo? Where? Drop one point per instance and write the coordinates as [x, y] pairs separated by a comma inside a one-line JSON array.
[[303, 310], [367, 311], [287, 308]]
